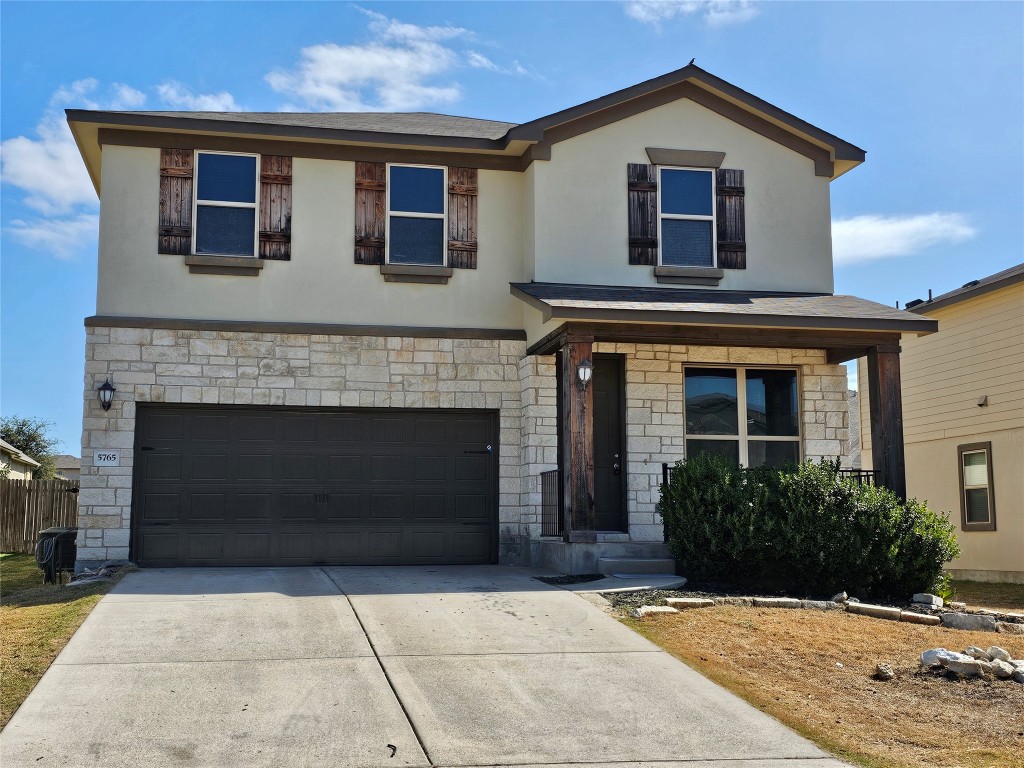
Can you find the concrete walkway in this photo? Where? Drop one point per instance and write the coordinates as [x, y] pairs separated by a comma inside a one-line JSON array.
[[427, 666]]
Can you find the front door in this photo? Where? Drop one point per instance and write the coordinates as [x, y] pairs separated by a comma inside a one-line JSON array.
[[609, 442]]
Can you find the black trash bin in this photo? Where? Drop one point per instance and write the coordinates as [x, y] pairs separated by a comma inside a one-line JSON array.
[[56, 551]]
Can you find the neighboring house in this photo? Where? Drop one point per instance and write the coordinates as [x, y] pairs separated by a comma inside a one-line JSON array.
[[68, 467], [20, 466], [963, 405], [364, 338]]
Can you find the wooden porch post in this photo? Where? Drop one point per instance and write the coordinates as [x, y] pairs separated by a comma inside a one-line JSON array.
[[578, 444], [886, 402]]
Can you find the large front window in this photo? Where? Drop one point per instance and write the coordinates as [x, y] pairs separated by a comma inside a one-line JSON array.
[[768, 431], [417, 204], [686, 207], [225, 213]]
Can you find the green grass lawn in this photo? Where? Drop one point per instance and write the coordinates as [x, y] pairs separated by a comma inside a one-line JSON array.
[[36, 622]]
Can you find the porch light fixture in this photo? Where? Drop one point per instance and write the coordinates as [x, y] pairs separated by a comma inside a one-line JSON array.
[[106, 394], [585, 371]]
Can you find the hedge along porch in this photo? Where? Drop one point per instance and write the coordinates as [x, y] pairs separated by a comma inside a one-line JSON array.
[[663, 336]]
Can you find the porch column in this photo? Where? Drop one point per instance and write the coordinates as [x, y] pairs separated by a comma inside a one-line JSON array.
[[886, 403], [577, 443]]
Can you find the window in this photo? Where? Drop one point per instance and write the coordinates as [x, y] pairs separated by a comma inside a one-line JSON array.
[[225, 213], [769, 433], [686, 212], [417, 205], [977, 498]]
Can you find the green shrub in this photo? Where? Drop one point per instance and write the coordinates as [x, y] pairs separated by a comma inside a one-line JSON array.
[[803, 529]]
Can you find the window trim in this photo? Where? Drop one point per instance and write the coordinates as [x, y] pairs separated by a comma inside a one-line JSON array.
[[985, 448], [255, 205], [741, 406], [414, 215], [713, 218]]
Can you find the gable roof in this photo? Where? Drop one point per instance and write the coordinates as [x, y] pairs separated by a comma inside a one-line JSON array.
[[969, 290], [17, 455], [66, 461], [832, 156]]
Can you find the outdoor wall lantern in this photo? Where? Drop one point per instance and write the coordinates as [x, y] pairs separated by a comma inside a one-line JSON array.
[[585, 371], [106, 393]]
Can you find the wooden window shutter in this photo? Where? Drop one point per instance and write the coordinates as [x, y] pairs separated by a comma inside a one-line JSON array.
[[275, 207], [462, 195], [175, 223], [371, 179], [732, 238], [643, 214]]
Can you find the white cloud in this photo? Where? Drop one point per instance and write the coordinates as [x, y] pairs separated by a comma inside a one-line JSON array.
[[397, 69], [715, 13], [126, 97], [866, 238], [60, 237], [176, 95]]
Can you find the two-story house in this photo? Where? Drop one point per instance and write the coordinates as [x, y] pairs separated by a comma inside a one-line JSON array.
[[416, 338]]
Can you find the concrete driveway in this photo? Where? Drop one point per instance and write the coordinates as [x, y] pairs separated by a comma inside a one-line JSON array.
[[414, 666]]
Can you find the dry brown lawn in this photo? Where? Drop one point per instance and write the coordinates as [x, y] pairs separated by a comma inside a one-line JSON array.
[[997, 596], [787, 663]]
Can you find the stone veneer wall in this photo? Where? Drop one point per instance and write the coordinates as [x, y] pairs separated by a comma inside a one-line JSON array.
[[654, 418], [239, 368]]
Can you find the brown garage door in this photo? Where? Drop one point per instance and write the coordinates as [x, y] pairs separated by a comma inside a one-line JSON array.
[[299, 486]]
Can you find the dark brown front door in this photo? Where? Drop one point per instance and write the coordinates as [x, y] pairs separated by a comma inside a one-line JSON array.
[[299, 486], [609, 442]]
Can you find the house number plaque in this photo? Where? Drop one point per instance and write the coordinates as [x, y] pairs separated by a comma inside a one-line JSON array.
[[106, 458]]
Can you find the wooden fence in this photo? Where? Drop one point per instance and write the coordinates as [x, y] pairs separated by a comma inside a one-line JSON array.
[[29, 506]]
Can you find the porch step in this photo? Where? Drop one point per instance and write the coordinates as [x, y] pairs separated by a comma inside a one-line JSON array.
[[609, 565]]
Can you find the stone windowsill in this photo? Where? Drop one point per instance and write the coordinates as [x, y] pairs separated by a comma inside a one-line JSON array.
[[415, 273], [240, 266], [689, 275]]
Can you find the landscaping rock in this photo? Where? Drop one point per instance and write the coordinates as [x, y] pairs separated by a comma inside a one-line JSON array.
[[876, 611], [998, 654], [1002, 670], [1018, 676], [852, 600], [839, 597], [1010, 628], [970, 667], [934, 657], [821, 605], [884, 672], [977, 653], [646, 610], [958, 606], [776, 602], [919, 618], [743, 602], [969, 621], [925, 598], [682, 603]]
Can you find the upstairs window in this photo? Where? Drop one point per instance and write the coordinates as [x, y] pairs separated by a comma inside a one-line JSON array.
[[225, 213], [417, 206], [977, 502], [686, 213]]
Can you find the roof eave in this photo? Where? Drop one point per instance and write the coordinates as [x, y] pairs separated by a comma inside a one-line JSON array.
[[979, 290]]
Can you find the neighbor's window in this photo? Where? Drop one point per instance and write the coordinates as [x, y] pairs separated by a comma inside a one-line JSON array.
[[769, 432], [686, 208], [417, 203], [977, 500], [225, 215]]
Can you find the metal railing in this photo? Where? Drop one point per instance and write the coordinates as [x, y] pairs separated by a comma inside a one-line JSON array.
[[551, 521], [860, 476]]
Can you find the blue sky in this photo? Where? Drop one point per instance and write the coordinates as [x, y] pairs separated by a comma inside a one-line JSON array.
[[932, 91]]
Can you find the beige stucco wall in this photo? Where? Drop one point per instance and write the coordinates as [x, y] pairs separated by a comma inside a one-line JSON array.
[[320, 284], [978, 351], [580, 216], [18, 470]]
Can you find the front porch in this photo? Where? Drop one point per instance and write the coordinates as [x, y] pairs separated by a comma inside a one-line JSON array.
[[595, 472]]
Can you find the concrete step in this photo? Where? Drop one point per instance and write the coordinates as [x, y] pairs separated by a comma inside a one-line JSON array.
[[610, 565]]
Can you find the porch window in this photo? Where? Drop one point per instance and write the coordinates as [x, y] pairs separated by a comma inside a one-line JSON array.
[[769, 431], [686, 208], [977, 502], [417, 206], [225, 205]]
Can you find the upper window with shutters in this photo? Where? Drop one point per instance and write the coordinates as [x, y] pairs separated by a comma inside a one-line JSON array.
[[225, 204], [686, 212], [417, 208]]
